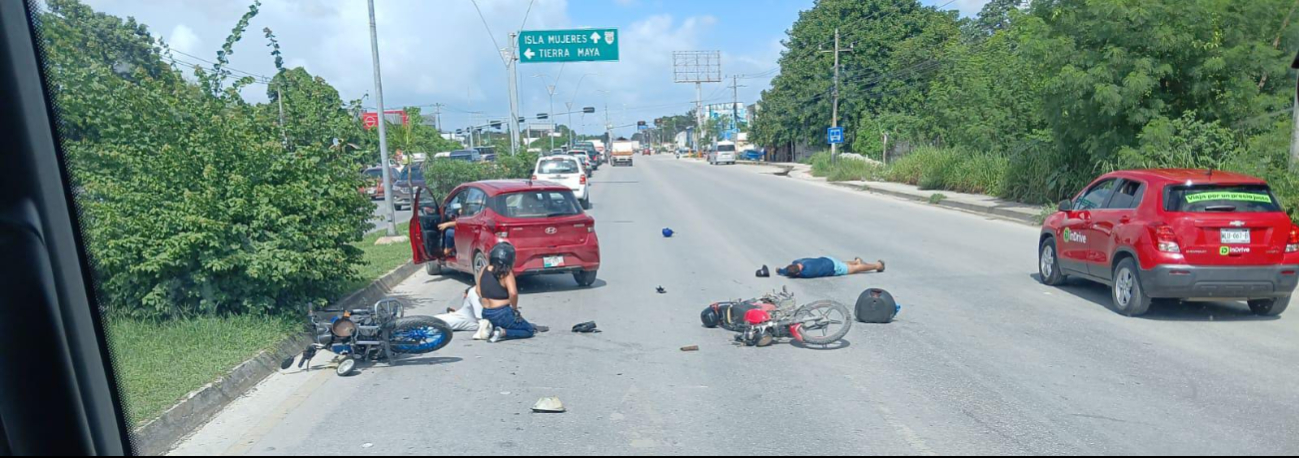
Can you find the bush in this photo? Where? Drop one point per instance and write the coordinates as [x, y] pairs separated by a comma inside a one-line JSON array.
[[443, 176], [845, 170], [951, 169]]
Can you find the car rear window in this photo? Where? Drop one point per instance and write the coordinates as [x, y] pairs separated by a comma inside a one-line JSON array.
[[415, 172], [536, 204], [726, 148], [1220, 198], [557, 166]]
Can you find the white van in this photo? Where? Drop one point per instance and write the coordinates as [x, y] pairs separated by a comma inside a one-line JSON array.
[[568, 171], [724, 153]]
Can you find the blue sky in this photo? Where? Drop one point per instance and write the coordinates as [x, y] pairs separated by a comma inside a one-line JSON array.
[[439, 51]]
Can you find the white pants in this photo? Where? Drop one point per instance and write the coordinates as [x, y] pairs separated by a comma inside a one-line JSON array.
[[466, 319]]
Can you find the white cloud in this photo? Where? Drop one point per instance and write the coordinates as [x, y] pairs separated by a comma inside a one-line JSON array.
[[184, 39]]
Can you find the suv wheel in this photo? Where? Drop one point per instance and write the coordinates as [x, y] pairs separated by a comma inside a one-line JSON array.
[[433, 268], [1269, 307], [1048, 264], [1129, 298]]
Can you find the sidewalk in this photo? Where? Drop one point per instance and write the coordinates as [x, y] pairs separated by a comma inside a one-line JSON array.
[[977, 203]]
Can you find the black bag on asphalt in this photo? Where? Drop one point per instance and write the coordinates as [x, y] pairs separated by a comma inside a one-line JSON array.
[[730, 315], [876, 306]]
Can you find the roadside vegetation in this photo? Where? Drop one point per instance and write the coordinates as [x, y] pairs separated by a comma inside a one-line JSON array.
[[1029, 101]]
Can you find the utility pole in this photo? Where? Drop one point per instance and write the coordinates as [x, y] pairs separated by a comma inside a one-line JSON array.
[[1294, 136], [437, 110], [834, 148], [284, 134], [569, 106], [699, 114], [735, 102], [512, 57], [389, 216]]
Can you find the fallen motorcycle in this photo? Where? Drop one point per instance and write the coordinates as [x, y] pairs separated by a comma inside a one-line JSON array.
[[760, 322], [372, 335]]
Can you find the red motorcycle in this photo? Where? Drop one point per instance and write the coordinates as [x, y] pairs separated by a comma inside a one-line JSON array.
[[759, 322]]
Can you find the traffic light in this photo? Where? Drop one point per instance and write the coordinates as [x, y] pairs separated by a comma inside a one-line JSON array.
[[460, 131], [543, 116], [588, 110], [496, 125], [641, 124]]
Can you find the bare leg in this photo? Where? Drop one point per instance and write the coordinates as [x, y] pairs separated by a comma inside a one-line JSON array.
[[859, 267]]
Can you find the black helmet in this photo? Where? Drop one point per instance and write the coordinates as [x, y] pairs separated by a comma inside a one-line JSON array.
[[502, 258], [710, 317]]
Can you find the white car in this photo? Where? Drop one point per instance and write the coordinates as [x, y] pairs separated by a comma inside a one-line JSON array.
[[566, 171], [723, 154]]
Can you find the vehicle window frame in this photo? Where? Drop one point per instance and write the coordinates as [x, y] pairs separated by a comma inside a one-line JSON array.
[[1137, 197], [577, 165], [470, 194], [1083, 197], [1166, 196], [498, 203]]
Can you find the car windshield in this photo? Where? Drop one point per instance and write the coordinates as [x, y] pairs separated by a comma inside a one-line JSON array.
[[536, 204], [557, 166], [650, 227], [1221, 198]]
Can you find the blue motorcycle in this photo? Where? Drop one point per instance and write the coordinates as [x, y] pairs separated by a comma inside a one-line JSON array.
[[377, 334]]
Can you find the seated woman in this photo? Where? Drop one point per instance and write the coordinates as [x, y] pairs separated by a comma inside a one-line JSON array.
[[500, 293]]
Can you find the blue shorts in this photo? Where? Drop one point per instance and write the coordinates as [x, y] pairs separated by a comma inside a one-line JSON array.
[[449, 239], [840, 267]]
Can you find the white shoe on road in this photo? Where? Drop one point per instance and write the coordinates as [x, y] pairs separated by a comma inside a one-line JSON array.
[[484, 330]]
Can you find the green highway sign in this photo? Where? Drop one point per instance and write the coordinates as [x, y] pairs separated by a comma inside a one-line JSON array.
[[579, 45]]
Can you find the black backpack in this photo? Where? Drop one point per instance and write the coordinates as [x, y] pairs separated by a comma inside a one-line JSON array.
[[876, 306], [730, 315]]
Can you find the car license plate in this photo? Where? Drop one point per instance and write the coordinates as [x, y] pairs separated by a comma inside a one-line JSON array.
[[554, 261], [1235, 236]]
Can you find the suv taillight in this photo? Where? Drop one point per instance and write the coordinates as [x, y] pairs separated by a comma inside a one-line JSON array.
[[1292, 245], [1166, 239], [582, 179]]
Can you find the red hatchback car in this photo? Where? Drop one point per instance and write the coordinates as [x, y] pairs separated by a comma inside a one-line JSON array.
[[1175, 235], [544, 221]]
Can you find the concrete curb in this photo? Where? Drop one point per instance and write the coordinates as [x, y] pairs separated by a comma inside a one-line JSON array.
[[158, 436], [980, 209]]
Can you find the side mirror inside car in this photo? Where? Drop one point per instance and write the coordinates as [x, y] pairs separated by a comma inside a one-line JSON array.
[[1065, 206]]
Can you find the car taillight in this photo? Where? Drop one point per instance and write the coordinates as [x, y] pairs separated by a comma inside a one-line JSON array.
[[534, 178], [1292, 245], [1167, 240], [582, 179]]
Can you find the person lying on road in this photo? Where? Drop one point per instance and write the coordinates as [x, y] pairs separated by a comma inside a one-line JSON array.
[[829, 267], [500, 293], [469, 317]]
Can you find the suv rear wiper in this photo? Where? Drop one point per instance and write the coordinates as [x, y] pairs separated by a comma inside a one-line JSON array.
[[1220, 208]]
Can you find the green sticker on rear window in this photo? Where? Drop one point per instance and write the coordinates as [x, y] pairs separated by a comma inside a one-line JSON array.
[[1236, 196]]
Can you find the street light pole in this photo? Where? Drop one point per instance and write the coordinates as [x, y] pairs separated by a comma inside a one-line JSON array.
[[388, 214]]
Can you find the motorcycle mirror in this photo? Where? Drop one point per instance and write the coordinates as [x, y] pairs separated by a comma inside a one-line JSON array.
[[284, 366]]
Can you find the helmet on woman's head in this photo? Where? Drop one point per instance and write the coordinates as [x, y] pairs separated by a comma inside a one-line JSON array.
[[502, 258]]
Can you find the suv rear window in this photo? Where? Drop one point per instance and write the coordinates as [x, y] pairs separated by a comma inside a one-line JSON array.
[[557, 166], [535, 204], [415, 172], [1219, 198]]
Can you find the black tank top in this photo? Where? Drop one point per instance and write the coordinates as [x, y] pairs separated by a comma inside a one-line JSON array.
[[492, 287]]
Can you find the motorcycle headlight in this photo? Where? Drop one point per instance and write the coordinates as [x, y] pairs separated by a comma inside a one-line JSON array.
[[343, 328]]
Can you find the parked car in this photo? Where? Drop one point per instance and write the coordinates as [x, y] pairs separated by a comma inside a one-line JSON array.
[[723, 154], [754, 155], [1175, 235], [567, 171], [543, 220], [374, 187], [467, 155], [411, 178]]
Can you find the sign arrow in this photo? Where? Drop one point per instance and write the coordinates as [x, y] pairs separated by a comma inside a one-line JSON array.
[[529, 54], [595, 37]]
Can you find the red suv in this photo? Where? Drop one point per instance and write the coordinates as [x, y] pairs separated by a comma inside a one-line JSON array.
[[544, 221], [1176, 235]]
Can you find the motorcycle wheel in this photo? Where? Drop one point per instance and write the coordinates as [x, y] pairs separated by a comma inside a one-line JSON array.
[[833, 322], [416, 335], [345, 367]]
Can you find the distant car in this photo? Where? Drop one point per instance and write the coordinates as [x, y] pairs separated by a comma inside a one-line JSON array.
[[543, 220], [374, 187], [467, 155], [485, 151], [723, 154], [568, 171], [754, 155], [1176, 235], [411, 178]]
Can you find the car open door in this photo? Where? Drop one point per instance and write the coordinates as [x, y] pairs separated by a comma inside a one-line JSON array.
[[423, 228]]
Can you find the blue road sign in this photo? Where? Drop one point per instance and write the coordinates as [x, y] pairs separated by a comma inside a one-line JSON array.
[[835, 135]]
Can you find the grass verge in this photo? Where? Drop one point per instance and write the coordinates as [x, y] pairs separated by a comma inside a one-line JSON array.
[[157, 364]]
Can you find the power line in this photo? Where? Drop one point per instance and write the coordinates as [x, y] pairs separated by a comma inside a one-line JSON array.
[[526, 14], [489, 29]]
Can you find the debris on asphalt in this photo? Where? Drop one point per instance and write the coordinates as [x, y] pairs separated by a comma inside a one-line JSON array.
[[586, 328], [764, 272], [367, 445], [667, 232], [549, 405], [690, 348], [661, 290]]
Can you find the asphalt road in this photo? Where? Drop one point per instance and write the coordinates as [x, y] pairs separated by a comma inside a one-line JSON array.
[[983, 359]]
